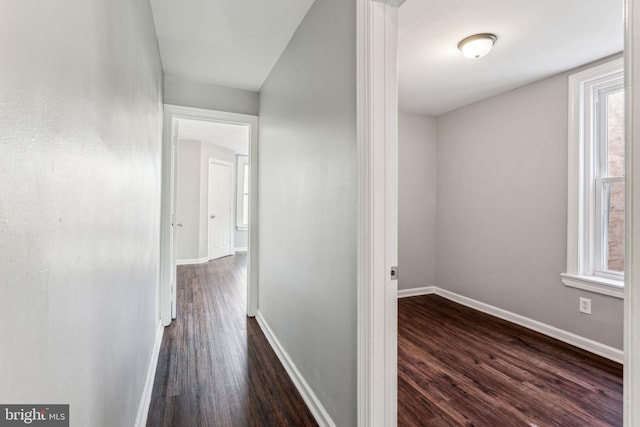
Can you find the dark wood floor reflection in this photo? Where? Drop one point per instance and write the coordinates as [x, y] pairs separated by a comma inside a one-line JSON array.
[[216, 368], [460, 367]]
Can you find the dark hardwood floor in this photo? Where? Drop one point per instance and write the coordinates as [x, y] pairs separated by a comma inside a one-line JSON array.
[[460, 367], [216, 368], [456, 367]]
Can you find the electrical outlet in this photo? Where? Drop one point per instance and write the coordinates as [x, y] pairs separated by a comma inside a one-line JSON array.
[[585, 305]]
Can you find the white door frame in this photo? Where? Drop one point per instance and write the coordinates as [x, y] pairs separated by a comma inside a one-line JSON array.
[[377, 105], [167, 221], [172, 113], [632, 217], [231, 194]]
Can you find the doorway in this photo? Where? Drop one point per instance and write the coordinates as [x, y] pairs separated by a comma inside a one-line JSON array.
[[630, 339], [178, 121]]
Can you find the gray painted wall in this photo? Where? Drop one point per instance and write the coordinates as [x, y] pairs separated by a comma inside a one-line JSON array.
[[502, 210], [188, 93], [308, 204], [188, 200], [241, 238], [80, 151], [416, 200], [192, 196]]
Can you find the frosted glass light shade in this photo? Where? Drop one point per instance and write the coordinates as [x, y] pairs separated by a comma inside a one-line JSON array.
[[477, 46]]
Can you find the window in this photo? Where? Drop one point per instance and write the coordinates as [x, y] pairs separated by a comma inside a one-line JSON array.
[[595, 238], [242, 208]]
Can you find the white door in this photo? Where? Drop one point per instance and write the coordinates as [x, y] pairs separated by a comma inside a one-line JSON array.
[[219, 212]]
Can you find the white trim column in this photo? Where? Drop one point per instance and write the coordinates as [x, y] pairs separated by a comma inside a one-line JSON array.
[[378, 206], [166, 221], [632, 219]]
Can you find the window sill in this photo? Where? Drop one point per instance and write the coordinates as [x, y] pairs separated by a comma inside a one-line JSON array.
[[599, 285], [241, 228]]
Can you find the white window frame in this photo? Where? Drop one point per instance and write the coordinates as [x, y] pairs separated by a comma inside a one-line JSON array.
[[241, 162], [584, 222]]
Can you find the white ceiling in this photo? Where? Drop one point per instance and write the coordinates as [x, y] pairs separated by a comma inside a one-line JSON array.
[[233, 43], [225, 135], [536, 39]]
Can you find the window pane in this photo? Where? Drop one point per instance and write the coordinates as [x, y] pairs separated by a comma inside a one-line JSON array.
[[615, 133], [245, 189], [613, 198], [245, 209]]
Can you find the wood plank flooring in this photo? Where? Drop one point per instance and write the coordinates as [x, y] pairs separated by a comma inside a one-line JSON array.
[[456, 367], [460, 367], [216, 368]]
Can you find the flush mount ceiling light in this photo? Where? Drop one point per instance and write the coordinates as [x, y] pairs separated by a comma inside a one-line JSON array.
[[477, 45]]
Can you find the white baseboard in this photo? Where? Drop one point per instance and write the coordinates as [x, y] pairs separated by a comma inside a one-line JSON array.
[[587, 344], [241, 249], [319, 413], [145, 401], [403, 293], [192, 261]]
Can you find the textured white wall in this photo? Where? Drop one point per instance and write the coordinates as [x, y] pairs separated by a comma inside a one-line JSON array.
[[80, 150], [188, 93], [416, 200], [241, 238], [308, 204], [502, 210]]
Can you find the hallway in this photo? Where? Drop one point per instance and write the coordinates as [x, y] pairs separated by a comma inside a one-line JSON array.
[[216, 368]]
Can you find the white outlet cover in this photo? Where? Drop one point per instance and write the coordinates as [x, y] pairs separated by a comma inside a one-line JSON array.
[[585, 305]]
